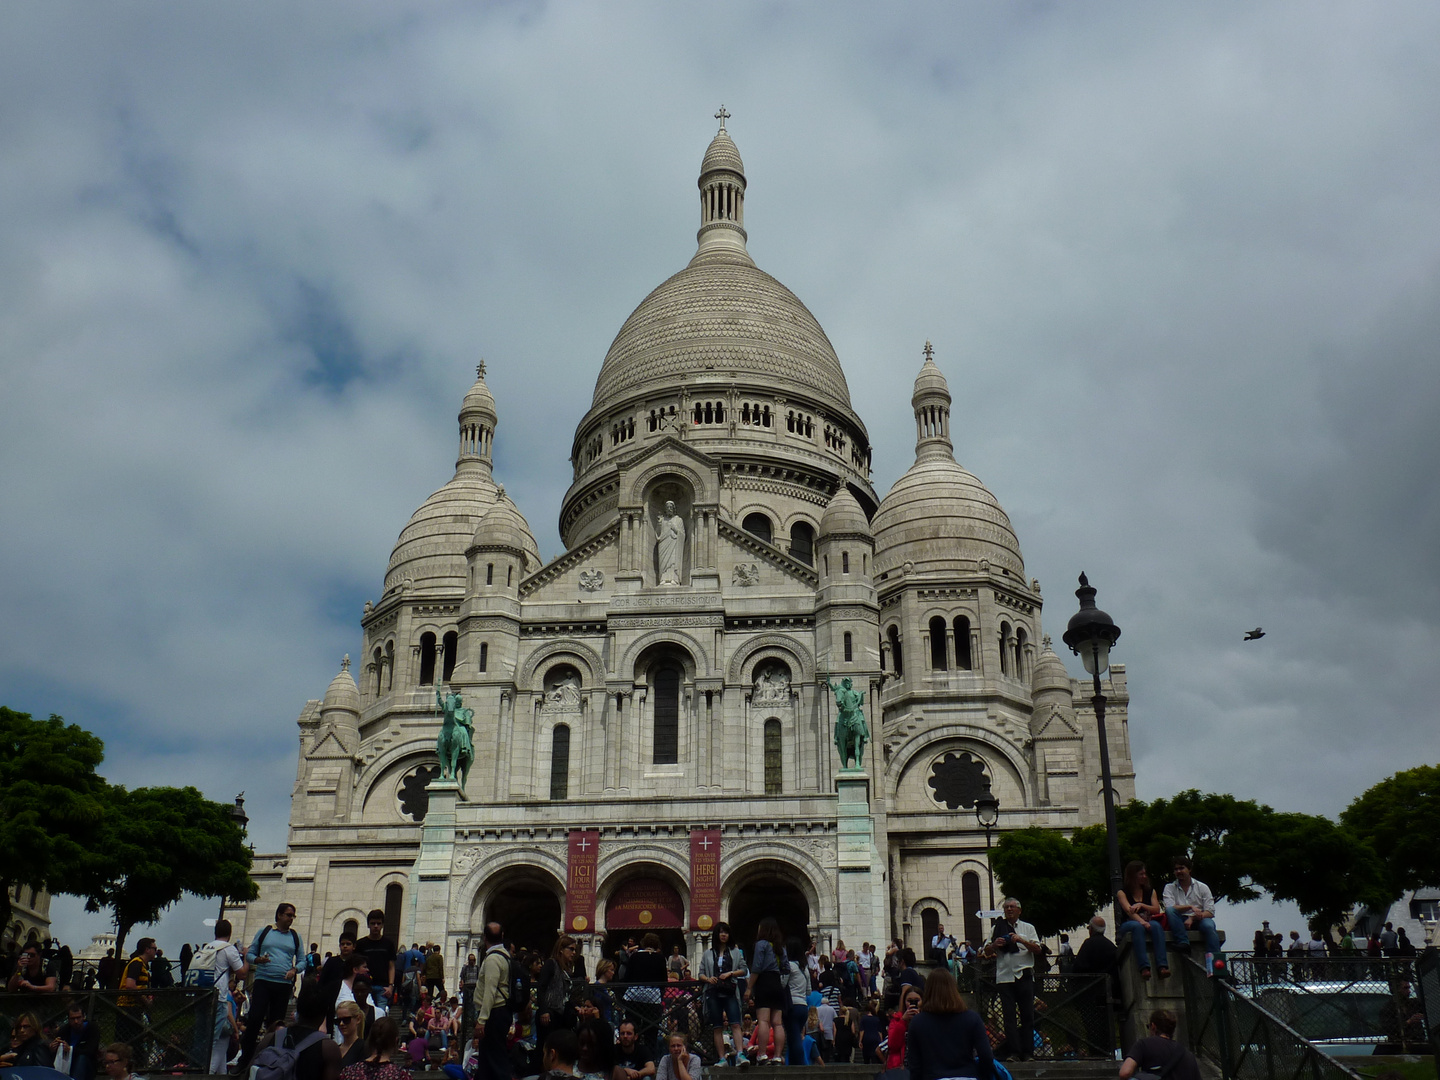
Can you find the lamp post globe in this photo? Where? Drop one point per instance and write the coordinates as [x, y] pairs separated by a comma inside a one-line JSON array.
[[1090, 635], [242, 821]]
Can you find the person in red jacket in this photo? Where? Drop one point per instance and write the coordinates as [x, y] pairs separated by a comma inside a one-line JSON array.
[[900, 1026]]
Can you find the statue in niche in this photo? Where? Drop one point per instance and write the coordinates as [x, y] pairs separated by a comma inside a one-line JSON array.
[[669, 545], [851, 731], [564, 693], [772, 686]]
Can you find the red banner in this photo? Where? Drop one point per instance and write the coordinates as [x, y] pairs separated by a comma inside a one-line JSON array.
[[644, 904], [580, 881], [704, 878]]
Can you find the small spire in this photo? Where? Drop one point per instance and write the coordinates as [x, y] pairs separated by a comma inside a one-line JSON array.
[[1045, 643], [722, 116], [345, 664], [480, 370], [929, 350]]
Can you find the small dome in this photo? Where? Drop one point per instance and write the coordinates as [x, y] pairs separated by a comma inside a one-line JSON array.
[[478, 398], [342, 692], [844, 516], [939, 516], [1050, 673], [505, 527], [722, 154], [430, 552], [930, 383]]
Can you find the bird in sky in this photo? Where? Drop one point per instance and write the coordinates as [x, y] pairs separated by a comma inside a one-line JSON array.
[[1254, 635]]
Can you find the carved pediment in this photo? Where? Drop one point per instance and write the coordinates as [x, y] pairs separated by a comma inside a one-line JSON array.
[[753, 561]]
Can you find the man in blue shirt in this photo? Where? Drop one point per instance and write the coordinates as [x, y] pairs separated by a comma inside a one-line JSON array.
[[275, 954]]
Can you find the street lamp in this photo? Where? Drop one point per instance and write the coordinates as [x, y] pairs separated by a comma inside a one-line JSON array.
[[987, 813], [241, 819], [1090, 635]]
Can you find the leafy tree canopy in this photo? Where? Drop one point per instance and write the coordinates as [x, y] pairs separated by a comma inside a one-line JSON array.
[[157, 844], [51, 804], [1398, 818], [1053, 878]]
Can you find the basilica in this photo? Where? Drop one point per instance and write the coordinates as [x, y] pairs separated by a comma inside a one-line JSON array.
[[654, 711]]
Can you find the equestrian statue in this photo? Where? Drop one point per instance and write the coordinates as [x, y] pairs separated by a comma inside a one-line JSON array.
[[851, 733], [456, 744]]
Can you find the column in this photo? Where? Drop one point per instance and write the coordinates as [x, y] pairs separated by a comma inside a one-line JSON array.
[[430, 875]]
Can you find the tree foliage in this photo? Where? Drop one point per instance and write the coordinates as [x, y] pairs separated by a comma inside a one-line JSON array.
[[157, 844], [1398, 818], [51, 804], [1240, 848]]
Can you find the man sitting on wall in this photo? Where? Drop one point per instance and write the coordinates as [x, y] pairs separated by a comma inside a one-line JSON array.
[[1189, 905]]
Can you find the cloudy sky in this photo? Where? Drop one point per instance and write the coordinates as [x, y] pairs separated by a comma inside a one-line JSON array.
[[1179, 264]]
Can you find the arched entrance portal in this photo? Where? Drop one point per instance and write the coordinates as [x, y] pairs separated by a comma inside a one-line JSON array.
[[530, 914], [643, 906], [768, 892]]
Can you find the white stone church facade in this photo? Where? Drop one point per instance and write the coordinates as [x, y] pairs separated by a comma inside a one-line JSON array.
[[641, 691]]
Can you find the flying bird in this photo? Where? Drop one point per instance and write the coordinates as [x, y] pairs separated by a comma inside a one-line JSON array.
[[1254, 635]]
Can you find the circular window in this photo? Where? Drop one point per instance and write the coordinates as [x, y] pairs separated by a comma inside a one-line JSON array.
[[958, 780], [414, 799]]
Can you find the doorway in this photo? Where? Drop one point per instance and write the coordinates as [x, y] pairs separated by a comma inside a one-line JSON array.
[[529, 913], [770, 892]]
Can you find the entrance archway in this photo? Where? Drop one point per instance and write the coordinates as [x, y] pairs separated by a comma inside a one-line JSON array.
[[768, 892], [529, 913], [644, 905]]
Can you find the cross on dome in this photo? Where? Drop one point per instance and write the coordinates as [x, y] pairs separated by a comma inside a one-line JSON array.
[[929, 351], [345, 664], [480, 370], [722, 116]]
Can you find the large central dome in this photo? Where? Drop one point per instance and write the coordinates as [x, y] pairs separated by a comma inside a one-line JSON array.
[[722, 320]]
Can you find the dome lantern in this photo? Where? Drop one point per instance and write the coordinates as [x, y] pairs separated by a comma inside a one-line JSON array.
[[722, 201], [477, 426], [931, 402]]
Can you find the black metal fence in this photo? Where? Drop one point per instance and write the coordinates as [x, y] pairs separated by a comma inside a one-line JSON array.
[[1244, 1039], [169, 1030], [658, 1011], [1357, 1000], [1074, 1014]]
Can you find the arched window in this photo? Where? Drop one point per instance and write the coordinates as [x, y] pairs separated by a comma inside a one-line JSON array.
[[929, 927], [774, 782], [490, 573], [802, 542], [881, 647], [970, 898], [451, 646], [1020, 652], [379, 672], [667, 715], [962, 644], [895, 654], [844, 562], [350, 927], [849, 647], [1005, 649], [394, 904], [560, 762], [757, 525], [938, 661], [390, 665], [484, 656], [427, 659]]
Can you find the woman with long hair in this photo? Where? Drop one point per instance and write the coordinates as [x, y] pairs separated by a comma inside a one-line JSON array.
[[1143, 918], [553, 1007], [350, 1024], [767, 991], [945, 1038], [797, 983], [900, 1025], [379, 1064]]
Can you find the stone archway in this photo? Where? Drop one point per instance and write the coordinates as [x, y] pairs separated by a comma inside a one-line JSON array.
[[529, 910], [768, 890]]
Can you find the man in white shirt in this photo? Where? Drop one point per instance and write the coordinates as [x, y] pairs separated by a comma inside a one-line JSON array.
[[1013, 946], [1189, 905], [940, 945], [227, 960]]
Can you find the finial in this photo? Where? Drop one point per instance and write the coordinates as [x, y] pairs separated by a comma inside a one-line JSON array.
[[1045, 642], [722, 116], [499, 492], [345, 664], [929, 351], [1084, 581], [480, 370]]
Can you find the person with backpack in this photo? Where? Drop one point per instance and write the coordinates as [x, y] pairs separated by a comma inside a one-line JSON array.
[[209, 966], [497, 1000], [275, 952], [302, 1051]]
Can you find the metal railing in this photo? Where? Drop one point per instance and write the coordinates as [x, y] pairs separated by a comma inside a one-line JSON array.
[[169, 1030], [1244, 1039], [1074, 1015], [1359, 1000], [658, 1011]]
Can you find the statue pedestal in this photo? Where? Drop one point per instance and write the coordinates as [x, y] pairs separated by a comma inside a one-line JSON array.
[[430, 876], [862, 886]]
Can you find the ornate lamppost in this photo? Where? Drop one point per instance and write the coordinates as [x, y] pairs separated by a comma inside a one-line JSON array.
[[1090, 635], [987, 813], [242, 820]]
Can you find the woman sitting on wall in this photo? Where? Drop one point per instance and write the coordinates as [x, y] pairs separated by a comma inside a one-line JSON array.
[[1143, 918]]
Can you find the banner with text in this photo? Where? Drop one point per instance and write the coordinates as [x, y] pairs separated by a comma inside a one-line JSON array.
[[704, 878], [580, 881]]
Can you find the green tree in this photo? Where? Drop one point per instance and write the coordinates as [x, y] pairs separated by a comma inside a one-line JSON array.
[[1323, 867], [51, 804], [157, 844], [1059, 883], [1397, 817]]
